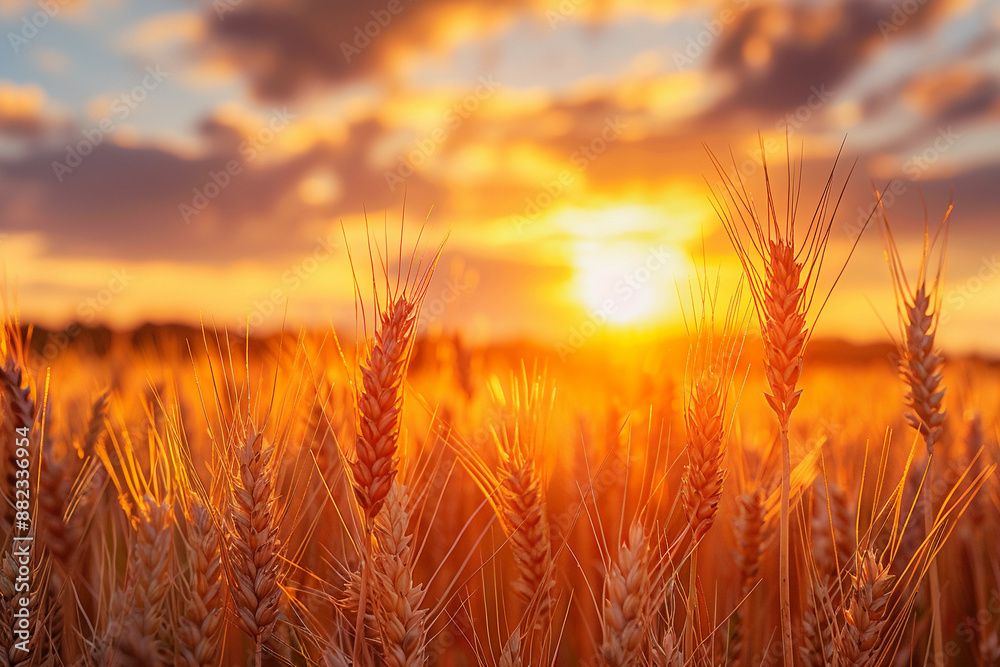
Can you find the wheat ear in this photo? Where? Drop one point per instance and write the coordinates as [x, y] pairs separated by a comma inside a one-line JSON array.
[[350, 603], [511, 655], [712, 358], [202, 611], [626, 603], [752, 536], [865, 613], [523, 506], [11, 653], [667, 652], [818, 624], [396, 598], [19, 414], [20, 403], [527, 521], [33, 640], [380, 404], [60, 536], [703, 475], [150, 580], [920, 367], [252, 544]]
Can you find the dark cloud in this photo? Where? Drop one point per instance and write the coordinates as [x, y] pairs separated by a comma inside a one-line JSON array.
[[21, 126], [286, 47], [976, 199], [805, 47], [125, 201]]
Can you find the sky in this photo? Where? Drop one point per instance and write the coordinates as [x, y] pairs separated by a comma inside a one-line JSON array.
[[226, 161]]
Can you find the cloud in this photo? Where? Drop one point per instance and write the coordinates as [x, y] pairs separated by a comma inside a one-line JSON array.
[[779, 54], [163, 30], [287, 48], [22, 110], [126, 201]]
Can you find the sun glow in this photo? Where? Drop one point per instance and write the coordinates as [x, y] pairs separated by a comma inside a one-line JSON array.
[[625, 278]]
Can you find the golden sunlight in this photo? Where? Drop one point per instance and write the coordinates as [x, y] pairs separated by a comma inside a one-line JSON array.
[[626, 276]]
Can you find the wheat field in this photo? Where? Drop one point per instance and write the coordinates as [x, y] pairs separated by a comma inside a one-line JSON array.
[[744, 497]]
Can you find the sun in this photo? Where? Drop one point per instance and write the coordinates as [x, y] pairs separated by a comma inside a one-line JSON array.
[[625, 278]]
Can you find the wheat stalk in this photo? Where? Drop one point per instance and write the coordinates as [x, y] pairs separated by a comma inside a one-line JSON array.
[[202, 611], [919, 309], [252, 542], [784, 291], [88, 486], [701, 485], [626, 602]]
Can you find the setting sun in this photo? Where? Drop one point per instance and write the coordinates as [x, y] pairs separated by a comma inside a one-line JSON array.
[[623, 275]]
